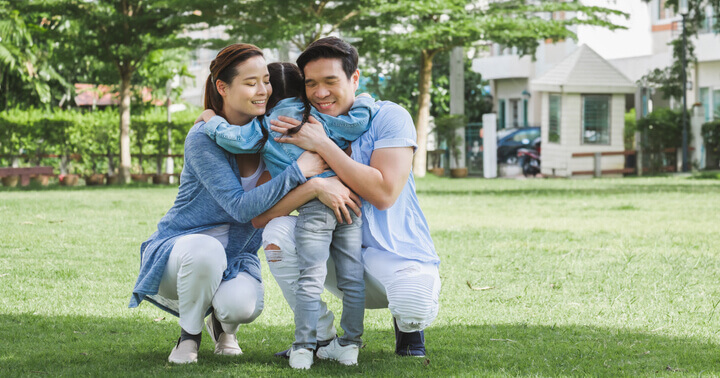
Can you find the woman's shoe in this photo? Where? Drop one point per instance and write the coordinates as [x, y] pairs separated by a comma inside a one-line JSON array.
[[185, 352], [225, 344]]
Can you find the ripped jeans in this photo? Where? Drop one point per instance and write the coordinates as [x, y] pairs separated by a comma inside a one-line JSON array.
[[409, 288]]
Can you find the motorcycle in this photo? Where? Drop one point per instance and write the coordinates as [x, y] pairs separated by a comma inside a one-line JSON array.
[[529, 159]]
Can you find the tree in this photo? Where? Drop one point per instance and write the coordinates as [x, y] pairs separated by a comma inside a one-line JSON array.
[[425, 28], [123, 33], [271, 23], [669, 79], [26, 72]]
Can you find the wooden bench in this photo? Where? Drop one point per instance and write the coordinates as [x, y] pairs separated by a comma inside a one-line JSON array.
[[26, 173]]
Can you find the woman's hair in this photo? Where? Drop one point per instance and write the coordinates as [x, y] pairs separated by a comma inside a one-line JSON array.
[[224, 68], [287, 82]]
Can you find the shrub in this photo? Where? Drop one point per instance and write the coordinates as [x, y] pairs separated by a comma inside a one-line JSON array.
[[661, 129]]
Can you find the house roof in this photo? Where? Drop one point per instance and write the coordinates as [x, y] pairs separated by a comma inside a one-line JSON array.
[[584, 71]]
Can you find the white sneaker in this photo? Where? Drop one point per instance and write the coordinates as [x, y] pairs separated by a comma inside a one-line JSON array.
[[185, 352], [301, 358], [346, 355], [225, 344]]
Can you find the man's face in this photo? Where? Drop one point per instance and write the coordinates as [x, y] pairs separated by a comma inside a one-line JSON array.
[[327, 87]]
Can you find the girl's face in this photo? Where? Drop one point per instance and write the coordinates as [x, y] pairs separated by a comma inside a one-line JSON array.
[[246, 96]]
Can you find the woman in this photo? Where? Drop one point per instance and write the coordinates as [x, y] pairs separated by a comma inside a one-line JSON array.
[[203, 257]]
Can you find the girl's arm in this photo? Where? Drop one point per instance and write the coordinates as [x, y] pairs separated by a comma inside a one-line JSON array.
[[233, 139]]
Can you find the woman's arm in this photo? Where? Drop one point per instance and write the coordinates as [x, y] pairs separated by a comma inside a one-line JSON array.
[[211, 168], [330, 191]]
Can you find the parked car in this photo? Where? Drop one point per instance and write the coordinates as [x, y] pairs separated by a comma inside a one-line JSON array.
[[511, 140]]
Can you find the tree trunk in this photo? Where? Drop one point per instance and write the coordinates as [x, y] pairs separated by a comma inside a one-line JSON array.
[[124, 172], [423, 115]]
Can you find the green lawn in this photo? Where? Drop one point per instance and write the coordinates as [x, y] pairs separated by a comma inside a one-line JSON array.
[[540, 277]]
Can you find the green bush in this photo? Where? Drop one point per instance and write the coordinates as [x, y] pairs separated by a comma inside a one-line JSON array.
[[87, 140], [630, 128], [711, 137], [661, 129]]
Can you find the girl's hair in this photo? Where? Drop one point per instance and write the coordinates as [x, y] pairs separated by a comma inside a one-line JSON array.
[[224, 68], [287, 82]]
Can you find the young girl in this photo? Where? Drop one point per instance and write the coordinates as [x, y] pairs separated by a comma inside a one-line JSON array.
[[317, 232]]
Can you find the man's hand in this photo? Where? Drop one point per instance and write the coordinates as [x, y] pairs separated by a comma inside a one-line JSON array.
[[335, 195], [311, 136]]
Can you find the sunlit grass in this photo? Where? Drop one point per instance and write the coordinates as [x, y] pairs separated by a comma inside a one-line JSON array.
[[540, 277]]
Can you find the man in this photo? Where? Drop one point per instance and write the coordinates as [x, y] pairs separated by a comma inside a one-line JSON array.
[[401, 265]]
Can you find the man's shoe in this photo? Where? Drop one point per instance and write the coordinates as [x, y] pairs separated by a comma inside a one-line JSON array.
[[301, 358], [286, 352], [185, 352], [225, 344], [410, 344], [346, 355]]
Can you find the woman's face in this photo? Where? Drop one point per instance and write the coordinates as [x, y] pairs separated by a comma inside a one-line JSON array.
[[246, 96]]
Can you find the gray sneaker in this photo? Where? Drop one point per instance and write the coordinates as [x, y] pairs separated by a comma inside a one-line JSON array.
[[346, 355], [185, 352], [225, 344]]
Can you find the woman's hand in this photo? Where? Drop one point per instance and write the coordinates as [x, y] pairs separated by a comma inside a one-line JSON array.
[[335, 195], [206, 115], [311, 164], [311, 136]]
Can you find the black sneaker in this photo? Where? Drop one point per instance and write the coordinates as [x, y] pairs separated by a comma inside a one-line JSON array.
[[286, 352], [410, 344]]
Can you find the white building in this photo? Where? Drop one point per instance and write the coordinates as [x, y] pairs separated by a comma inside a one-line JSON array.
[[634, 52]]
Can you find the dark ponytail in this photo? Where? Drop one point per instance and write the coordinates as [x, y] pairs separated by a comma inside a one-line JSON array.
[[287, 82]]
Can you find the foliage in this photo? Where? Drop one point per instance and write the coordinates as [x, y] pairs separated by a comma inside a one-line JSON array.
[[711, 137], [399, 83], [89, 138], [26, 67], [299, 23], [447, 128], [630, 129], [661, 129], [669, 79]]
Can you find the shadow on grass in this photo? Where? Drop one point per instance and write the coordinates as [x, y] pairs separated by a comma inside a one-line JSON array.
[[80, 345]]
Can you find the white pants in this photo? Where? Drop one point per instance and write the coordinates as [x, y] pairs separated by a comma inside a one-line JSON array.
[[193, 278], [409, 288]]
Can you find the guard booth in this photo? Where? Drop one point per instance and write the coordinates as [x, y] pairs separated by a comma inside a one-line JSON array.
[[582, 110]]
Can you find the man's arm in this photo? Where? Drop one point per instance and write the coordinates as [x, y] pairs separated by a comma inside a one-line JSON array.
[[380, 183], [330, 191]]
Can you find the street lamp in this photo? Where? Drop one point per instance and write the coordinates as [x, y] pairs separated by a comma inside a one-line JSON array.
[[684, 10]]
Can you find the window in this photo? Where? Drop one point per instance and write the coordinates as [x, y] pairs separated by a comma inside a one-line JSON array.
[[554, 121], [705, 100], [709, 22], [515, 113], [596, 119], [501, 114], [663, 12]]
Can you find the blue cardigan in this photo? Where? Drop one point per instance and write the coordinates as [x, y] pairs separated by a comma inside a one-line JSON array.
[[211, 195]]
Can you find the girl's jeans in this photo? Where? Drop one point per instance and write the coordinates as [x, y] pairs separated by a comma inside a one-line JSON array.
[[318, 236]]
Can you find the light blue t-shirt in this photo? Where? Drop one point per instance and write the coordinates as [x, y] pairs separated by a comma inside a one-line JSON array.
[[401, 229]]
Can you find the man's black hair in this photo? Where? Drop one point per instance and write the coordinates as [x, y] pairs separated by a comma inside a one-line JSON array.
[[330, 47]]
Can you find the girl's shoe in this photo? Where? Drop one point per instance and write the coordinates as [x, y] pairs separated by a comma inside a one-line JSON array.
[[301, 358], [346, 355]]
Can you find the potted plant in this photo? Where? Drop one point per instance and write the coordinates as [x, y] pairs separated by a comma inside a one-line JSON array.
[[446, 128], [10, 181]]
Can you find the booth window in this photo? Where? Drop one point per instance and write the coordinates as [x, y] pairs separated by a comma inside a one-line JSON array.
[[596, 119], [554, 122]]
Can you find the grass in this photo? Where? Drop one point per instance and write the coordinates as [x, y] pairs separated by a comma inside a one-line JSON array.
[[540, 277]]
